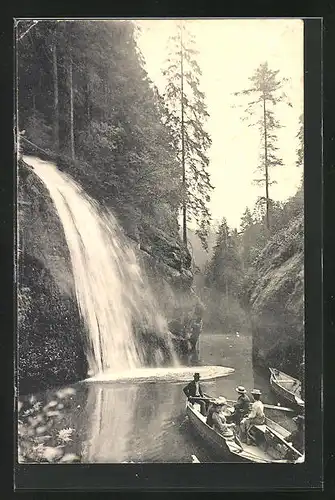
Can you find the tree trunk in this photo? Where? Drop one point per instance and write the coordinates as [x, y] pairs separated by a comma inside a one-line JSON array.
[[71, 110], [266, 168], [183, 138], [56, 105]]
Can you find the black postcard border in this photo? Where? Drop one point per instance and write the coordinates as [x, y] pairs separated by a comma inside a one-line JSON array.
[[205, 477]]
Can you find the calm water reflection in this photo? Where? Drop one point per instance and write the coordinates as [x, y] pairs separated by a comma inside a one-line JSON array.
[[134, 422], [146, 422]]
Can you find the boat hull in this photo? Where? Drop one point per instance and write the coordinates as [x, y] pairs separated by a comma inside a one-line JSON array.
[[225, 450], [284, 395], [212, 439], [228, 450]]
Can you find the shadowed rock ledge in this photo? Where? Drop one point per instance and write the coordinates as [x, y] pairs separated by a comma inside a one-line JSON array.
[[276, 301]]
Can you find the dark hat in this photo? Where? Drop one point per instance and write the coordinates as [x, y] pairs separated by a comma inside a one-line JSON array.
[[256, 391], [196, 375], [241, 389]]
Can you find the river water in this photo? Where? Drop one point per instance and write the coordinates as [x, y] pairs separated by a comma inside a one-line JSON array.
[[145, 422]]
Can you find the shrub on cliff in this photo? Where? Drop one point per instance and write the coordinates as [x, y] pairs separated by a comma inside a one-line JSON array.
[[41, 435]]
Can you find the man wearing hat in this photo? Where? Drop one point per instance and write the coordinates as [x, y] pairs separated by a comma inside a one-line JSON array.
[[255, 417], [242, 405], [193, 392], [297, 437]]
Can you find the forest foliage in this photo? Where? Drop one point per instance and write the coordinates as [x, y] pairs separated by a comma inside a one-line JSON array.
[[232, 272], [85, 98], [240, 258], [42, 435]]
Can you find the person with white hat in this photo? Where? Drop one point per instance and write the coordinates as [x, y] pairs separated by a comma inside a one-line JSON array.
[[255, 417], [216, 418], [242, 405]]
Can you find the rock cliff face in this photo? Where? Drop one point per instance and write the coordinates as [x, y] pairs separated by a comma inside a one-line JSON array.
[[51, 336], [276, 298]]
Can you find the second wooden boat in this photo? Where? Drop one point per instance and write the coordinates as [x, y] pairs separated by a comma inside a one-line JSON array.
[[286, 388]]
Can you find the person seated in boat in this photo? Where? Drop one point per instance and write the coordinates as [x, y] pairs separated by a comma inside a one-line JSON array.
[[211, 410], [242, 405], [193, 391], [216, 418], [255, 417], [297, 437]]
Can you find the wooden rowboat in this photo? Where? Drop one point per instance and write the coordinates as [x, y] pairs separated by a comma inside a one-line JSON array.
[[269, 439], [286, 388]]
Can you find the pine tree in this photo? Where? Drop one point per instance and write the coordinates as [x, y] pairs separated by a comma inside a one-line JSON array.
[[246, 220], [252, 235], [186, 117], [266, 91], [221, 243], [224, 272]]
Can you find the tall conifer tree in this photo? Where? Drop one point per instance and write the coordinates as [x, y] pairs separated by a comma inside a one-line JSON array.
[[186, 116]]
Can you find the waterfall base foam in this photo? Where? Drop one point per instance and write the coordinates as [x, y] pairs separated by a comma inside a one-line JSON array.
[[174, 374]]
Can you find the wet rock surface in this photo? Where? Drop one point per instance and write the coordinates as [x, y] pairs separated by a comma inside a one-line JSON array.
[[276, 299]]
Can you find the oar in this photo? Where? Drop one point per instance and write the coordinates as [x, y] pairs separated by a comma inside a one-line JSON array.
[[201, 398], [274, 407], [206, 397], [269, 407]]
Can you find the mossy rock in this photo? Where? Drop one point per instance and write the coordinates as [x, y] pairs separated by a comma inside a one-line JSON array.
[[51, 346]]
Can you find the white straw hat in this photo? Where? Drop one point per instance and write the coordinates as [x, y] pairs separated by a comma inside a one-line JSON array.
[[241, 389], [219, 401]]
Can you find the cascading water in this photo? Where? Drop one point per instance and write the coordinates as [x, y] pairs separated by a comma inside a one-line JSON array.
[[111, 293]]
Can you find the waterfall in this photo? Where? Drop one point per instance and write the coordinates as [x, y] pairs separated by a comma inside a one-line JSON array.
[[111, 291]]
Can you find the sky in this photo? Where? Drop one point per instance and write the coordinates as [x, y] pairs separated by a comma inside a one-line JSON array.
[[229, 52]]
